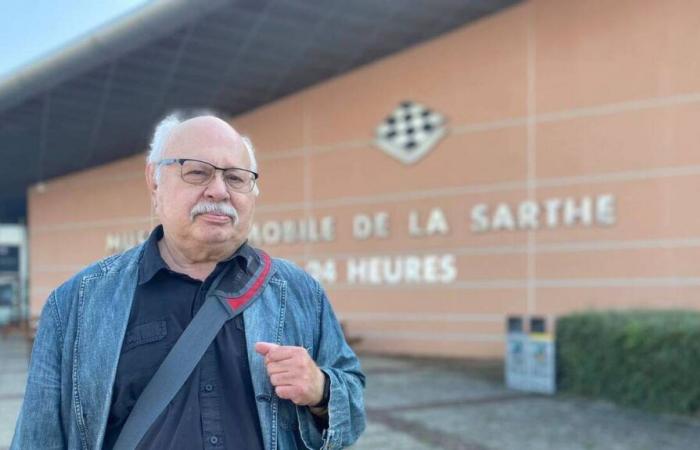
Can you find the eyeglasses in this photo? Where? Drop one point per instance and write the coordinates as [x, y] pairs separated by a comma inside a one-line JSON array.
[[200, 173]]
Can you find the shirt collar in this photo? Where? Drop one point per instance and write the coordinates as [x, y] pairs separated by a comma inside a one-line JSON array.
[[152, 262]]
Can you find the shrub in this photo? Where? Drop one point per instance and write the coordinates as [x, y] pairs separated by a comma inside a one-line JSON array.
[[645, 359]]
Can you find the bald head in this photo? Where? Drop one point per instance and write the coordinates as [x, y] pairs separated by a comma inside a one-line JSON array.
[[176, 130]]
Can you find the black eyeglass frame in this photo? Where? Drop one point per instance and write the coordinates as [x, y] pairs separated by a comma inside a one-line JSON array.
[[181, 161]]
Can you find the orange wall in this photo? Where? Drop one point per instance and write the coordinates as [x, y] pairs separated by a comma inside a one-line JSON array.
[[548, 99]]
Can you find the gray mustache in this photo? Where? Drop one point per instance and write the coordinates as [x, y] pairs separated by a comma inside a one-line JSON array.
[[214, 208]]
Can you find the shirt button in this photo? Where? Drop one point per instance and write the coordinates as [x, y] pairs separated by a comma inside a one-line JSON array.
[[208, 388], [214, 440]]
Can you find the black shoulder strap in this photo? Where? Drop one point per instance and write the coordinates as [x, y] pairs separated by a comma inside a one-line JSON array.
[[184, 357]]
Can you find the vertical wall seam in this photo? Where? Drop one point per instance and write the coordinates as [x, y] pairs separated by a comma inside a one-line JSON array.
[[531, 156]]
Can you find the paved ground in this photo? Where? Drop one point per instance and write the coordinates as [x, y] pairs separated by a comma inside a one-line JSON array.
[[423, 404], [417, 404], [13, 376]]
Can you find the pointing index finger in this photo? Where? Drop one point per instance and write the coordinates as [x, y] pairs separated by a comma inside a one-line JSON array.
[[264, 347], [281, 353]]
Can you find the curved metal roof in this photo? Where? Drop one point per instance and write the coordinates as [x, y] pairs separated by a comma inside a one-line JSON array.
[[96, 100]]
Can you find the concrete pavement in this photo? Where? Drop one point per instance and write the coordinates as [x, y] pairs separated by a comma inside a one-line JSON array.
[[422, 404]]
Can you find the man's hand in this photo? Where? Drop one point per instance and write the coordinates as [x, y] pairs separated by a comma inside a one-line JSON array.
[[293, 373]]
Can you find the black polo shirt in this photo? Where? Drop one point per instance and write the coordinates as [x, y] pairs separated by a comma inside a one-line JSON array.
[[215, 408]]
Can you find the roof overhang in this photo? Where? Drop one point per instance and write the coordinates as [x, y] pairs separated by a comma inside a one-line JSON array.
[[96, 100]]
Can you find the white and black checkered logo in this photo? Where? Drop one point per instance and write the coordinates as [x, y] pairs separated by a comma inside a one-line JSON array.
[[410, 131]]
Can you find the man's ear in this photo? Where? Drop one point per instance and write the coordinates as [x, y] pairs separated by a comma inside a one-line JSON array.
[[151, 177], [151, 181]]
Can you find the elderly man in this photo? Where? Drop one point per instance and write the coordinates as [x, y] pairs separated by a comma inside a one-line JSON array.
[[115, 363]]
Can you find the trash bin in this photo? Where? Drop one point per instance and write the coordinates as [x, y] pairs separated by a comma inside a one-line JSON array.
[[516, 366], [530, 357]]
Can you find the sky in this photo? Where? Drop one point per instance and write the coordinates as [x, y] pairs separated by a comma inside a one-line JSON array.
[[31, 29]]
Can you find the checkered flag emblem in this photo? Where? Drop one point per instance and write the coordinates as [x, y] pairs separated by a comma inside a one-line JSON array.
[[410, 131]]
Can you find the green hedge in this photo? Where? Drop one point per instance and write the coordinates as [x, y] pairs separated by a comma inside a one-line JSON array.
[[645, 359]]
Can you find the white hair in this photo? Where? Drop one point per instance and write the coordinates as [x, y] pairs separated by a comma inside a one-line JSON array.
[[167, 125]]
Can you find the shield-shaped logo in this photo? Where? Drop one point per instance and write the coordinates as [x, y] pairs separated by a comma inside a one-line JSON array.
[[410, 132]]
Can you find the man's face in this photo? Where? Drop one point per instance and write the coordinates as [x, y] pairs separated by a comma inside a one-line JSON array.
[[211, 140]]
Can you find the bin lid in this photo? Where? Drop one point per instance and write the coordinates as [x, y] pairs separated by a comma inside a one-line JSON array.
[[515, 324], [538, 325]]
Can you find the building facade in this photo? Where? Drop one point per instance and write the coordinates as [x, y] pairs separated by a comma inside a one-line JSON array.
[[540, 161]]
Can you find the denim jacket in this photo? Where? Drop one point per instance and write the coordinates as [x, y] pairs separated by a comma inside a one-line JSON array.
[[78, 342]]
